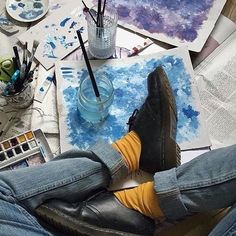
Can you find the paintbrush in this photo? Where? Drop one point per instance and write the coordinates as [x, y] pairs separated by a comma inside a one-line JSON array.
[[24, 61], [35, 45], [87, 10]]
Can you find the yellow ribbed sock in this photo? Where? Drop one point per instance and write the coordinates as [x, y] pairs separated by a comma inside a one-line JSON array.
[[130, 148], [142, 199]]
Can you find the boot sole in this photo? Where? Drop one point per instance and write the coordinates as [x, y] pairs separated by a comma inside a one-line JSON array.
[[73, 227]]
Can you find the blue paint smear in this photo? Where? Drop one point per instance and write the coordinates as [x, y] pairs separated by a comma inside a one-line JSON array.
[[130, 92], [63, 22], [13, 7], [22, 5], [31, 14], [180, 19], [49, 78], [73, 24], [67, 72]]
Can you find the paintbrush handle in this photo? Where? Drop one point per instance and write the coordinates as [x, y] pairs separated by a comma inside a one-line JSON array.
[[95, 88]]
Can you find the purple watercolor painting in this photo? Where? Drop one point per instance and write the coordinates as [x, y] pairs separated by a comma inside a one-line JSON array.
[[174, 22]]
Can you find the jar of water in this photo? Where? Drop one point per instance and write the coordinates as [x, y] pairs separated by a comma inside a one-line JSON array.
[[92, 108]]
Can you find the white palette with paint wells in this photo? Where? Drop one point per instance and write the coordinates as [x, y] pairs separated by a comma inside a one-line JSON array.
[[27, 10], [57, 34]]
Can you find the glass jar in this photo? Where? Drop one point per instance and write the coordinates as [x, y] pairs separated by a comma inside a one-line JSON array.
[[91, 108]]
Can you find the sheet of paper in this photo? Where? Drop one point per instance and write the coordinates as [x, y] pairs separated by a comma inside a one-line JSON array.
[[129, 80], [216, 79], [19, 120], [174, 22], [223, 29], [44, 114], [57, 34]]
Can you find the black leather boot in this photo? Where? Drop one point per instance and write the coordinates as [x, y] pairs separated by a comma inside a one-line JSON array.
[[100, 215], [155, 124]]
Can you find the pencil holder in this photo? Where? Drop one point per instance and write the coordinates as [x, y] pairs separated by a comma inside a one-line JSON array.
[[22, 99], [90, 107], [102, 38]]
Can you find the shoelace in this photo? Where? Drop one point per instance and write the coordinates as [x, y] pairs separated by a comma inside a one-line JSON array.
[[132, 118]]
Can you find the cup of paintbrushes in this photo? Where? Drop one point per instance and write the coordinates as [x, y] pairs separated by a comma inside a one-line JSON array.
[[17, 94], [102, 26]]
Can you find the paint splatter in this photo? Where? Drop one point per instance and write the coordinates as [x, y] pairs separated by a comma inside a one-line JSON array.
[[64, 21], [130, 91], [29, 15], [176, 19]]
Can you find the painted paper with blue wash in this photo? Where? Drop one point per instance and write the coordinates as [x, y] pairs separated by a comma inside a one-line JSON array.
[[129, 81]]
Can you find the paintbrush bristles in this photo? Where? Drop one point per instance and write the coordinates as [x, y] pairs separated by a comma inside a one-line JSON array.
[[35, 45]]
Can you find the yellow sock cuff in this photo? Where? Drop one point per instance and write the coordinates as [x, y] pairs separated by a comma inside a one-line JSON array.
[[142, 198], [130, 148]]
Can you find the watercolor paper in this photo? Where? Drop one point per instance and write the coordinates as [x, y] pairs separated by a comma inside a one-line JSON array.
[[174, 22], [129, 81], [57, 34]]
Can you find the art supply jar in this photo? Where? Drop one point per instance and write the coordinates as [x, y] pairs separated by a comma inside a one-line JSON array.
[[21, 99], [90, 107], [102, 37]]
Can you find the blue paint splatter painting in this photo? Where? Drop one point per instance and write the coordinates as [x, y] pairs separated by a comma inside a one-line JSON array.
[[129, 81], [57, 34], [175, 22]]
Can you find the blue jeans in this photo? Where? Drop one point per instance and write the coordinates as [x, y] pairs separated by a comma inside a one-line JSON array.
[[207, 182], [71, 177]]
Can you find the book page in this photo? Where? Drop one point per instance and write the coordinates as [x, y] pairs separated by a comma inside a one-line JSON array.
[[216, 79]]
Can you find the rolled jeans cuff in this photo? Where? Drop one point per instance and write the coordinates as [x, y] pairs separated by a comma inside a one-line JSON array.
[[169, 194], [111, 159]]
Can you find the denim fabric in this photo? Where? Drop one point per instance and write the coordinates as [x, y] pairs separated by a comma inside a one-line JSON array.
[[227, 226], [70, 177], [205, 183], [112, 159]]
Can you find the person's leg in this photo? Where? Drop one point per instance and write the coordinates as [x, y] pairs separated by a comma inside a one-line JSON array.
[[227, 225], [150, 146], [70, 179], [203, 184]]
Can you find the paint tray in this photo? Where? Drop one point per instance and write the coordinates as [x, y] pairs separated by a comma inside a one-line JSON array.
[[27, 149]]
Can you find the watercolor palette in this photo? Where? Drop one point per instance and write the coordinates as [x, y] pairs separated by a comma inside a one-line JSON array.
[[27, 149], [27, 10]]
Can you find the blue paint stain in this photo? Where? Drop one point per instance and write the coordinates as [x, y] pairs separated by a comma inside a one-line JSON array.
[[67, 72], [67, 68], [64, 21], [50, 78], [20, 4], [13, 7], [189, 112], [53, 45], [130, 92], [38, 5], [41, 89], [31, 14], [73, 24]]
